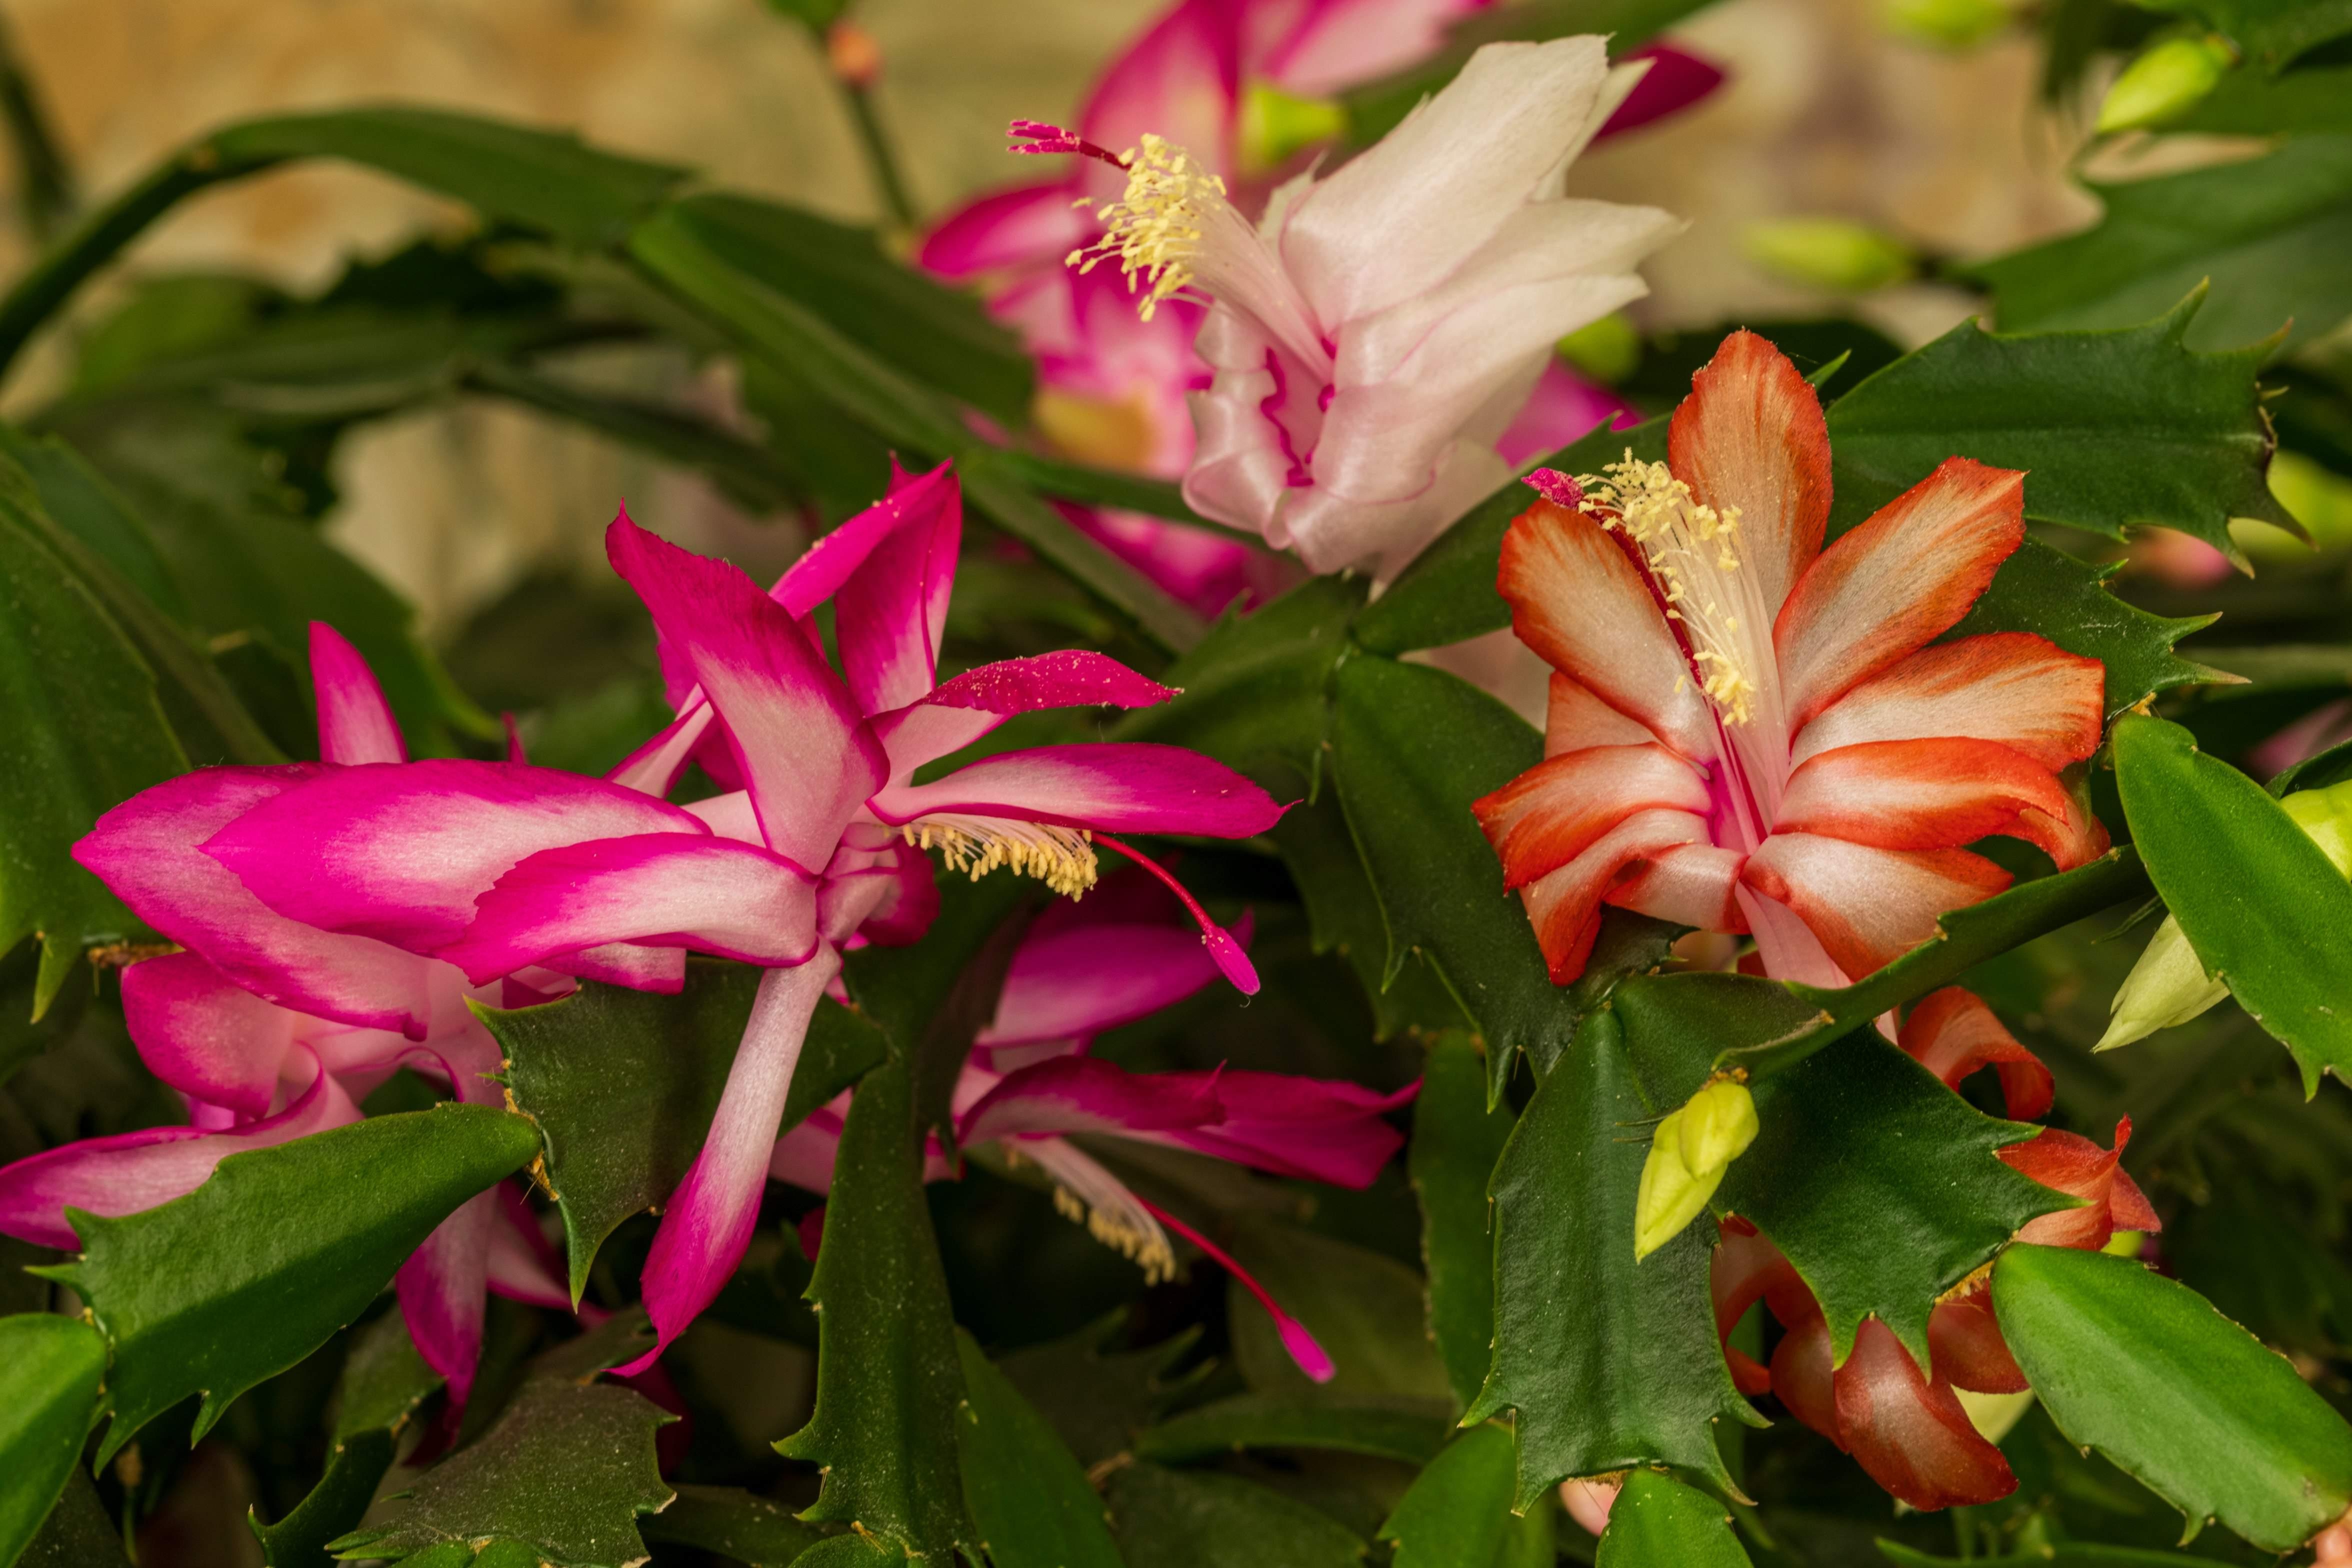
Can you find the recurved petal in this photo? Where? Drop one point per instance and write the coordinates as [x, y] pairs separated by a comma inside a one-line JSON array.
[[1751, 436], [1116, 786], [147, 850], [355, 722], [1308, 1129], [712, 1216], [401, 851], [1917, 795], [1587, 613], [441, 1292], [889, 612], [658, 889], [1868, 906], [1691, 884], [807, 757], [204, 1034], [1964, 1347], [1575, 719], [1912, 1436], [1086, 1094], [1556, 810], [1024, 226], [1895, 583], [1952, 1034], [2080, 1168], [1565, 906], [1073, 983], [2019, 689]]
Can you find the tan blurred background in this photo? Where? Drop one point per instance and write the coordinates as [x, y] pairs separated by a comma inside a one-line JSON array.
[[1824, 113]]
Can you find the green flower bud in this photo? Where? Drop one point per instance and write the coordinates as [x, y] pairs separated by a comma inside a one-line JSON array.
[[1716, 1126], [1275, 124], [2169, 985], [1606, 350], [1828, 253], [1689, 1154], [1946, 24], [2165, 81]]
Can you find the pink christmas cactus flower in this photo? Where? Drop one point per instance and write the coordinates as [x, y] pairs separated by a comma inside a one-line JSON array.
[[1092, 967], [272, 1029], [1751, 733]]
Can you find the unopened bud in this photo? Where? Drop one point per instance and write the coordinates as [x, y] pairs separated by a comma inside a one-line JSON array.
[[2169, 985], [2166, 82], [1606, 350], [853, 54], [1946, 24], [1275, 124], [1718, 1125], [1828, 253], [1689, 1154]]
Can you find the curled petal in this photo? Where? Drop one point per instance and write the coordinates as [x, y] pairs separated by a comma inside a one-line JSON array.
[[1084, 1094], [2074, 1165], [1804, 1380], [1027, 226], [2019, 689], [1918, 795], [1565, 905], [1116, 786], [1868, 906], [1964, 1347], [1952, 1034], [441, 1292], [1912, 1436], [355, 722], [206, 1035], [1312, 1130], [1557, 809]]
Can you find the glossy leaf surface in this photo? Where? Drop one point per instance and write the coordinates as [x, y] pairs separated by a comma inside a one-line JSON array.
[[1029, 1498], [1457, 1512], [50, 1367], [1456, 1142], [1656, 1520]]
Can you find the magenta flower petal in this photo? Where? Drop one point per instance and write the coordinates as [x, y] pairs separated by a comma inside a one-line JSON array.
[[1563, 408], [146, 849], [401, 852], [1676, 80], [1316, 1129], [807, 757], [663, 889], [1075, 982], [1086, 1094], [1116, 786], [355, 722], [1024, 226], [712, 1216], [890, 613], [204, 1034], [1070, 678], [921, 502], [524, 1266], [134, 1171], [1180, 80], [1228, 954], [440, 1291], [655, 766]]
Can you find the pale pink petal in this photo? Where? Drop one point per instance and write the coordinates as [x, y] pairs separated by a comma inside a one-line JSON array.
[[355, 722], [1565, 906], [1868, 906], [204, 1034], [441, 1288], [658, 889], [146, 849], [655, 766], [1020, 227], [1340, 44], [1116, 786], [1177, 80], [524, 1266], [1556, 810], [134, 1171], [1086, 1094], [804, 1155], [709, 1219], [401, 851], [2012, 687], [1917, 795], [807, 757], [1751, 436], [1587, 613], [1895, 583], [1564, 407]]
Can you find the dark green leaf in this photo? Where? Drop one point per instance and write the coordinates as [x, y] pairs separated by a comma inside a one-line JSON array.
[[1447, 594], [941, 336], [212, 1292], [2146, 1372], [1656, 1520], [84, 731], [2262, 905], [1385, 1428], [78, 500], [622, 1085], [2266, 231], [1456, 1142], [1180, 1519], [851, 1551], [2051, 595], [1362, 1307], [1098, 1398], [2270, 33], [2248, 103], [1344, 917], [731, 1522], [77, 1534], [2114, 428], [49, 1373], [1029, 1498], [888, 1381], [384, 1383], [1457, 1513], [1257, 688], [1879, 1183], [1608, 1363], [2061, 1555], [564, 1475]]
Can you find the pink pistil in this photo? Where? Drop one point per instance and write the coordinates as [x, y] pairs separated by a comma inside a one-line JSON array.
[[1051, 138], [1556, 488], [1311, 1357], [1232, 961]]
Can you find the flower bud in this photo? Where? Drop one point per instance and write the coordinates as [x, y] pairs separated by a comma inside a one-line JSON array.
[[1718, 1125], [2169, 985], [1946, 24], [2166, 82], [1275, 124], [1689, 1154], [852, 54], [1828, 253], [1606, 350]]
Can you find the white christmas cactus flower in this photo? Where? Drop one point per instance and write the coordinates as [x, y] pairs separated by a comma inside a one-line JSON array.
[[2169, 985], [1375, 333]]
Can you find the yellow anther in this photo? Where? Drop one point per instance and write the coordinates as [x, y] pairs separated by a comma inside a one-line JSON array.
[[1060, 858], [1688, 544], [1154, 230]]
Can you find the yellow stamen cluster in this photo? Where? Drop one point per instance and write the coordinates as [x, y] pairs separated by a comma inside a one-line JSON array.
[[1060, 858], [1690, 547], [1154, 229], [1148, 1250]]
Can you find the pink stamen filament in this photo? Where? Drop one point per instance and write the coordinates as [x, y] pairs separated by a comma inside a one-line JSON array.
[[1045, 139], [1311, 1357], [1231, 961]]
